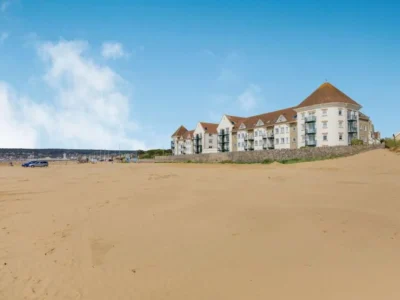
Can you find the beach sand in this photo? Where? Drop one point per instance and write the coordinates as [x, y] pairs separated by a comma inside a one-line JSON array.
[[320, 230]]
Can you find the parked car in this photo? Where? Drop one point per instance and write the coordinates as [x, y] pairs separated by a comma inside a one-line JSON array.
[[35, 164]]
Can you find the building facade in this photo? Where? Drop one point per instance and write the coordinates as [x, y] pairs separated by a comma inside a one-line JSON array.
[[327, 117], [205, 138], [225, 128]]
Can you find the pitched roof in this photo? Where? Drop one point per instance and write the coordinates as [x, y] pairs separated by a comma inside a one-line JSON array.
[[209, 127], [363, 117], [270, 118], [180, 131], [235, 119], [327, 93], [188, 134]]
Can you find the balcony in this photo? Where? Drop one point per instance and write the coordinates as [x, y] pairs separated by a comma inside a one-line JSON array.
[[311, 143], [311, 130], [352, 117], [352, 129], [250, 148], [250, 137], [223, 133], [310, 119], [265, 146]]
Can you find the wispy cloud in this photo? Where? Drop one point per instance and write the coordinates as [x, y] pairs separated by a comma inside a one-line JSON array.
[[91, 107], [113, 50], [250, 97], [209, 53], [227, 76], [3, 37], [5, 4]]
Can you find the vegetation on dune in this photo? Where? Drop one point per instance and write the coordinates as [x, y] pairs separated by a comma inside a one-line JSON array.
[[392, 144], [150, 154]]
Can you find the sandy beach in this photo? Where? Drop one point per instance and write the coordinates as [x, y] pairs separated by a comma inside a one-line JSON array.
[[320, 230]]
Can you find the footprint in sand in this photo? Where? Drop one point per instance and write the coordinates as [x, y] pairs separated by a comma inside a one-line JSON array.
[[99, 248]]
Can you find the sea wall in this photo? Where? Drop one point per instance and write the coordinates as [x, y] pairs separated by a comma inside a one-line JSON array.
[[260, 156]]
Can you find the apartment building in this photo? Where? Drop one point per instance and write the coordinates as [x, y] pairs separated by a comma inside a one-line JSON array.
[[225, 128], [367, 130], [272, 130], [177, 141], [327, 117], [188, 142], [205, 138]]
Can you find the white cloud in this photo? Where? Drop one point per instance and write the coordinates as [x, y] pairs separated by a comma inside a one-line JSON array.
[[91, 107], [112, 50], [250, 97], [3, 37]]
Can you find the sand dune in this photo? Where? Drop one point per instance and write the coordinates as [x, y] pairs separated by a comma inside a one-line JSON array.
[[321, 230]]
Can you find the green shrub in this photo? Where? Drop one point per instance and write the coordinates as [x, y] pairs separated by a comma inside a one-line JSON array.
[[391, 143], [355, 142], [267, 161], [226, 162]]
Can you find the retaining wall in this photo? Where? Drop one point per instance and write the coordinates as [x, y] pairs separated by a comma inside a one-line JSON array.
[[259, 156]]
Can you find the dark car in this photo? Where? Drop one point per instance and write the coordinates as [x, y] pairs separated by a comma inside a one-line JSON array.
[[36, 164]]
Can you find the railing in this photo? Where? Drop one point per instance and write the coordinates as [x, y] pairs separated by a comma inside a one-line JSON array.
[[352, 129], [251, 148], [352, 117], [265, 146], [250, 137], [310, 119], [311, 142], [270, 135], [311, 130]]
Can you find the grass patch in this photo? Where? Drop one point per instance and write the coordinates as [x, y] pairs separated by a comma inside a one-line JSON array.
[[392, 144], [267, 161]]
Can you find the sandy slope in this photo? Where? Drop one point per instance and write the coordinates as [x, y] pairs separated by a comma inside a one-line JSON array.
[[323, 230]]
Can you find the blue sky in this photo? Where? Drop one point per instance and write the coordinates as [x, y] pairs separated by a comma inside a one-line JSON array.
[[109, 74]]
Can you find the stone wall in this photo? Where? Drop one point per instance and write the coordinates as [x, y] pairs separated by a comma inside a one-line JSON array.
[[259, 156]]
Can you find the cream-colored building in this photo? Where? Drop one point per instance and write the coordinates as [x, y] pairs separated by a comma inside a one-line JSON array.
[[273, 130], [327, 117], [397, 136], [177, 141], [205, 138], [224, 129]]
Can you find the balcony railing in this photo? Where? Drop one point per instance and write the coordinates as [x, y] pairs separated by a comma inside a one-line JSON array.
[[310, 119], [352, 117], [250, 137], [265, 146], [353, 129], [311, 143], [311, 130]]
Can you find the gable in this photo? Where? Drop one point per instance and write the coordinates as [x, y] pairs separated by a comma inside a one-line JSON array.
[[242, 126], [281, 119], [260, 123], [199, 129]]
